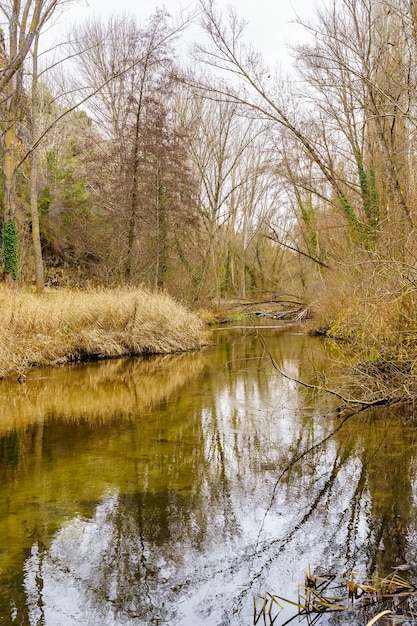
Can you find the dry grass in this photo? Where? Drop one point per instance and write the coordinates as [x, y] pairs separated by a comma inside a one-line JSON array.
[[63, 326], [373, 307], [380, 597]]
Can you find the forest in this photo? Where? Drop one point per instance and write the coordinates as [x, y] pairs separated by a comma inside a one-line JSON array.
[[211, 175]]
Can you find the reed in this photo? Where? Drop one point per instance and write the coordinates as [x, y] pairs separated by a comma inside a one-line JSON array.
[[390, 597], [63, 326]]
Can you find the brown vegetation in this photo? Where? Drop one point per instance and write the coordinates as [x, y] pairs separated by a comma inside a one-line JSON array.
[[65, 326], [221, 190], [390, 595], [370, 305]]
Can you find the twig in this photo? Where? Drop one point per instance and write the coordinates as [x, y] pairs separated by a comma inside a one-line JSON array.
[[361, 404]]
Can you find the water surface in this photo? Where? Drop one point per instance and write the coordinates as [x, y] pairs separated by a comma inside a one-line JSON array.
[[169, 490]]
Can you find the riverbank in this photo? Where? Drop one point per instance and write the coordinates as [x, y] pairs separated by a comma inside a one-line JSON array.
[[62, 326], [271, 306], [374, 340]]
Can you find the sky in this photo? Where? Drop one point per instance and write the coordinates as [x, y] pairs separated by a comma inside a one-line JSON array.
[[269, 21]]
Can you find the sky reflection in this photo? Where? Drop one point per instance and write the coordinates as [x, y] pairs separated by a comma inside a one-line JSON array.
[[202, 493]]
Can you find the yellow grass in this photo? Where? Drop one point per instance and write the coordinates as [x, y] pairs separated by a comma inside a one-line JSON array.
[[372, 306], [63, 326]]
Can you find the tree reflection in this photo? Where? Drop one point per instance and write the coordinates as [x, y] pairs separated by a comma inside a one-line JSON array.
[[129, 561], [388, 458], [229, 482]]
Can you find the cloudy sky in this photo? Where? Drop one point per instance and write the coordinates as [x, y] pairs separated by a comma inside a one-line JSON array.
[[269, 21]]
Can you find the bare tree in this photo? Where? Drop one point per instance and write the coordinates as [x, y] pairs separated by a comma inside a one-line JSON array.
[[36, 238], [361, 83], [129, 69], [354, 117], [24, 24], [224, 154], [253, 87]]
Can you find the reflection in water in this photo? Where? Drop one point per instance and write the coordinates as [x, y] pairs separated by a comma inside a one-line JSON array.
[[96, 391], [167, 491]]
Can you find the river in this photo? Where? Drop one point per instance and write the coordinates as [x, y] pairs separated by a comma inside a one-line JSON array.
[[171, 490]]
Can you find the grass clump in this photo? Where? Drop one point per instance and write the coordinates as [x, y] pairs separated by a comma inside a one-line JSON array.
[[375, 314], [64, 326]]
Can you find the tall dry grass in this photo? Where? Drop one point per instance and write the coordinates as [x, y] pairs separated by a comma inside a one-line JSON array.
[[63, 326], [371, 305]]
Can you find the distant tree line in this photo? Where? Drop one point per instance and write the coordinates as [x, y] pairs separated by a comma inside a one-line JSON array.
[[121, 165]]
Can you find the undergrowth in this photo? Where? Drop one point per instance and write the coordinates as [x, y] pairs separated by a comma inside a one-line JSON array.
[[376, 316]]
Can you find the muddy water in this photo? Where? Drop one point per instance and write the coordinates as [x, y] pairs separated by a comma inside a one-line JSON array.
[[171, 490]]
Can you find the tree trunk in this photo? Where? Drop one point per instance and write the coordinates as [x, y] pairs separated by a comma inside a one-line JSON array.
[[36, 238], [10, 253], [162, 235]]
